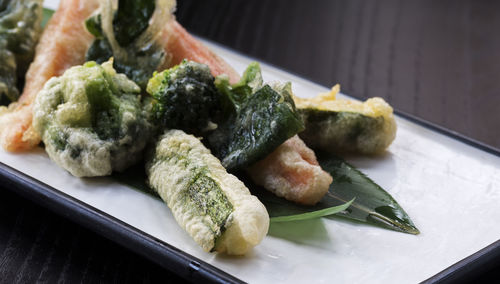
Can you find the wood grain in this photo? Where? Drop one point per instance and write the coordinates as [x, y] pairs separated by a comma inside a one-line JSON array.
[[437, 60], [37, 246]]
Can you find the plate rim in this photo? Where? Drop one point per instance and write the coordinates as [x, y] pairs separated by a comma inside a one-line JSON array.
[[166, 255], [186, 265]]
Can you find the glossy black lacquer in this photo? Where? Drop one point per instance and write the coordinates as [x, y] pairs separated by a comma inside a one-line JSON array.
[[432, 60]]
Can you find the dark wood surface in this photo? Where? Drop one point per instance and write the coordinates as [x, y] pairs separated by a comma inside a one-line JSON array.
[[437, 60]]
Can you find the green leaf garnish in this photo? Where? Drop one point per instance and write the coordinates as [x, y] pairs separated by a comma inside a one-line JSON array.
[[313, 214], [373, 205]]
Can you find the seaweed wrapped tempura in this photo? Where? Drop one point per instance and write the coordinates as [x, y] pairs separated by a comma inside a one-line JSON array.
[[91, 120], [213, 206]]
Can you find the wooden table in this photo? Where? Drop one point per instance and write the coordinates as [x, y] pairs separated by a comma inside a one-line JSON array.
[[435, 60]]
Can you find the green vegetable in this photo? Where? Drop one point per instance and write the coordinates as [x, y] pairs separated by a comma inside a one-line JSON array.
[[19, 32], [339, 125], [94, 26], [92, 120], [243, 122], [195, 190], [129, 35], [214, 207], [99, 51], [186, 97], [257, 119]]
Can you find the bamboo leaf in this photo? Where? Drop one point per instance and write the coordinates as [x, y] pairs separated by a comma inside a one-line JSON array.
[[373, 205]]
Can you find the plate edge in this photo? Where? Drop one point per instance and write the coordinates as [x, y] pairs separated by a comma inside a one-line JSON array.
[[469, 267], [167, 256]]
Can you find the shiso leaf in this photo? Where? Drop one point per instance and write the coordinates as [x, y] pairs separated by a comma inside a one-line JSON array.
[[258, 118]]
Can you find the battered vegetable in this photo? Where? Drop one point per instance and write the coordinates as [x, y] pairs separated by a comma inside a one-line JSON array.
[[186, 97], [243, 122], [130, 34], [214, 207], [91, 120], [19, 32], [337, 125]]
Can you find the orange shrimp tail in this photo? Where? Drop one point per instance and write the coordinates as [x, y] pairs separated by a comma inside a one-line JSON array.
[[179, 45], [292, 172], [19, 130]]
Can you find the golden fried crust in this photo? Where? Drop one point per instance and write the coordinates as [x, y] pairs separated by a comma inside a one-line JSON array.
[[292, 172], [176, 159], [63, 44]]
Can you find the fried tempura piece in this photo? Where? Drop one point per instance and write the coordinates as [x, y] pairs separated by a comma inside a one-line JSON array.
[[63, 44], [213, 206], [292, 172]]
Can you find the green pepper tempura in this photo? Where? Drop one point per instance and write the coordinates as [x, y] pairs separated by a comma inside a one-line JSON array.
[[91, 120]]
